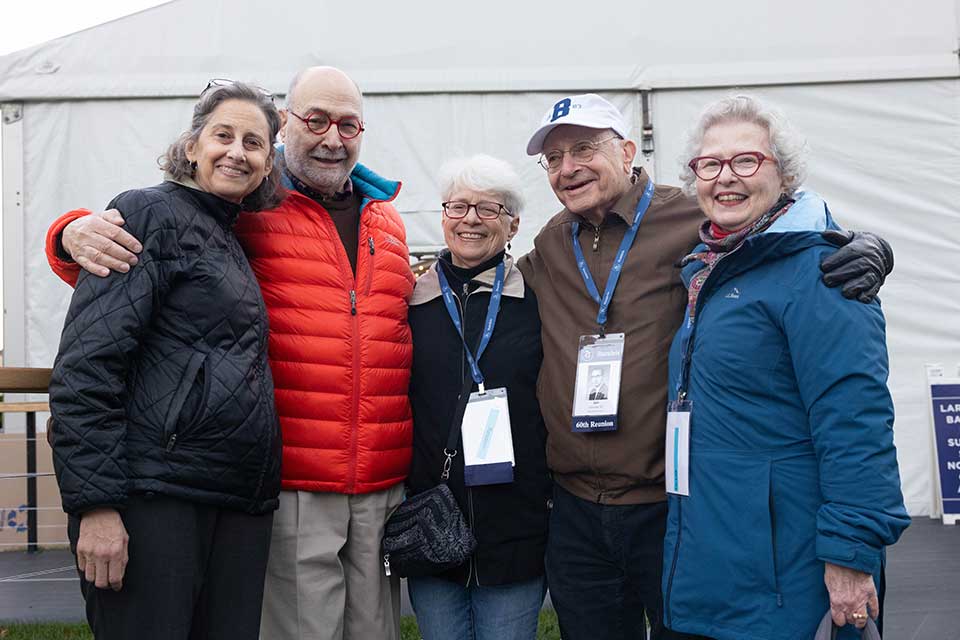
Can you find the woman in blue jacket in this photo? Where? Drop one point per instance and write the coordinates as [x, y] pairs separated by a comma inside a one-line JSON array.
[[780, 460]]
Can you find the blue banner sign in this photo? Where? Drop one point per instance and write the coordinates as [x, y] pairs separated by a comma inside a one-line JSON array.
[[946, 427]]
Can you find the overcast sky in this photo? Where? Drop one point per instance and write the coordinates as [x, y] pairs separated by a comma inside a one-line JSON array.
[[28, 22]]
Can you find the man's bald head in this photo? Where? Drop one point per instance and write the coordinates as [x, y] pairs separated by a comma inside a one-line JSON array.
[[322, 161], [331, 76]]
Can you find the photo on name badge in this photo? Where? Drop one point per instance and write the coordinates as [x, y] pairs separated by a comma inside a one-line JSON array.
[[597, 389]]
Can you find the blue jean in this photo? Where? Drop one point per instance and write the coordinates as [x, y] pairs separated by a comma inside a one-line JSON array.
[[604, 564], [447, 610]]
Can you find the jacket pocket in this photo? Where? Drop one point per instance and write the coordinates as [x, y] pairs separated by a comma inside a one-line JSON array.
[[723, 544], [370, 266], [195, 379], [771, 509], [268, 476]]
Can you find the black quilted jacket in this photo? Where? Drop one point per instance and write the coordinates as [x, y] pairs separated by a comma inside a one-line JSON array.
[[162, 383]]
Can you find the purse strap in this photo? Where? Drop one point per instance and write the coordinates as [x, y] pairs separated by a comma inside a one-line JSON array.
[[450, 451], [828, 631]]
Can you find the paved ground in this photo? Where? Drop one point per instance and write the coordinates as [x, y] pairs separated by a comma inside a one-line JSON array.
[[44, 586], [923, 596], [923, 578]]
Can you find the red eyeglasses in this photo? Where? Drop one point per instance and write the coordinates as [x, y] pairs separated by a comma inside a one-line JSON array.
[[319, 123], [742, 165]]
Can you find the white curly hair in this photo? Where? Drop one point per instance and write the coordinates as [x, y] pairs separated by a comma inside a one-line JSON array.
[[787, 146]]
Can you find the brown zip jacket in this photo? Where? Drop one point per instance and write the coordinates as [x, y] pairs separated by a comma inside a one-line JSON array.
[[623, 466]]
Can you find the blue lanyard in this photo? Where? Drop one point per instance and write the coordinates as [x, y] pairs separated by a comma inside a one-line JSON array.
[[488, 324], [687, 331], [614, 277]]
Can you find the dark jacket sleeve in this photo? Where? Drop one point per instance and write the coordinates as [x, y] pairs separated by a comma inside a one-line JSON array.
[[100, 339], [839, 354]]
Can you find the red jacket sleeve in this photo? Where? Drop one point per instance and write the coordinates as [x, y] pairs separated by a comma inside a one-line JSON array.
[[66, 270]]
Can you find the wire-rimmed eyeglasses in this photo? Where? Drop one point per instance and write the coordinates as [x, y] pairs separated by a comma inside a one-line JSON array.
[[319, 122], [456, 209], [743, 165], [581, 152]]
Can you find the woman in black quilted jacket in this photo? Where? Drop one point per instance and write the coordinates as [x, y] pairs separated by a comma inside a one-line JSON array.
[[164, 432]]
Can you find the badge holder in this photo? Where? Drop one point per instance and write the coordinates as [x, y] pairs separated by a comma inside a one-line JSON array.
[[597, 392], [677, 454], [677, 457], [485, 425], [596, 396], [487, 439]]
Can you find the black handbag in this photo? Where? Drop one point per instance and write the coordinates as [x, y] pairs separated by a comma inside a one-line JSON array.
[[427, 534], [828, 631]]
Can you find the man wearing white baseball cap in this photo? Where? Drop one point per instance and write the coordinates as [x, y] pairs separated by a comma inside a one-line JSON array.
[[609, 294], [587, 110]]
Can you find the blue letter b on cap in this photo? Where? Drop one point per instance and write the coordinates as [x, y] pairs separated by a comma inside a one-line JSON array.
[[560, 109]]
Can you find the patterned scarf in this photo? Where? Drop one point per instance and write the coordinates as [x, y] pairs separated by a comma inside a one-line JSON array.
[[718, 248]]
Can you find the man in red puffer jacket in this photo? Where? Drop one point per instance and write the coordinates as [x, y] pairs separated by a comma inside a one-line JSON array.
[[333, 266]]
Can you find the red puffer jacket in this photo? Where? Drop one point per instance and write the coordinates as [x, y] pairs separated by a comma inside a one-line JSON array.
[[340, 346]]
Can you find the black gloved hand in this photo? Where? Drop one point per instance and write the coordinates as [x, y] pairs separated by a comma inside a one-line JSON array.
[[861, 264]]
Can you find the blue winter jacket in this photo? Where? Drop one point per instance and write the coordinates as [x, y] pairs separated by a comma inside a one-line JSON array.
[[792, 462]]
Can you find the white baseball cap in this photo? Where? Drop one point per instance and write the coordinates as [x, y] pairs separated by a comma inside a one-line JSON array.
[[586, 110]]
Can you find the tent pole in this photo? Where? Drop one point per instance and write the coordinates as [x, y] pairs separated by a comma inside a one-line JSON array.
[[14, 318]]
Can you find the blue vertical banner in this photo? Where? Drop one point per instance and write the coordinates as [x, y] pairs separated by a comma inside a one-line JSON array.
[[946, 430]]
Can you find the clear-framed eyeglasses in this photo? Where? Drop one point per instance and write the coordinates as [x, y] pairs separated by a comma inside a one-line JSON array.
[[743, 165], [581, 152], [456, 209], [319, 122]]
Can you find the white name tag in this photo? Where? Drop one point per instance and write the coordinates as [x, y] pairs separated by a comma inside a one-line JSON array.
[[678, 448], [597, 392], [487, 439]]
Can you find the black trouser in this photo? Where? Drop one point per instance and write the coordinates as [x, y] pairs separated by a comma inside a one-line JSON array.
[[604, 564], [195, 573]]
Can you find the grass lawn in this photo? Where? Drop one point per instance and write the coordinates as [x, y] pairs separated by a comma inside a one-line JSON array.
[[548, 630]]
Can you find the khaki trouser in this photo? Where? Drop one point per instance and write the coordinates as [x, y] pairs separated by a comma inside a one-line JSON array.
[[325, 578]]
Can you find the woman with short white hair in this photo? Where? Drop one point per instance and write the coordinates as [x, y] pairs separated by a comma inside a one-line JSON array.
[[498, 592]]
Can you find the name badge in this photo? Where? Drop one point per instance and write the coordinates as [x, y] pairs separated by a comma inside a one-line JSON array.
[[487, 439], [678, 448], [597, 392]]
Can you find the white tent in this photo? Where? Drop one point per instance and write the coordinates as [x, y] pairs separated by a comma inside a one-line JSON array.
[[874, 84]]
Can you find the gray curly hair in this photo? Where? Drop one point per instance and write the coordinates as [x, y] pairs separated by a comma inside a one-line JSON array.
[[787, 146], [176, 165]]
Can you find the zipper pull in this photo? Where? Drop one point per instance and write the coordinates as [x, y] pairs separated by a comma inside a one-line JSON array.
[[370, 244], [386, 564], [466, 290], [171, 442], [353, 302], [596, 238]]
